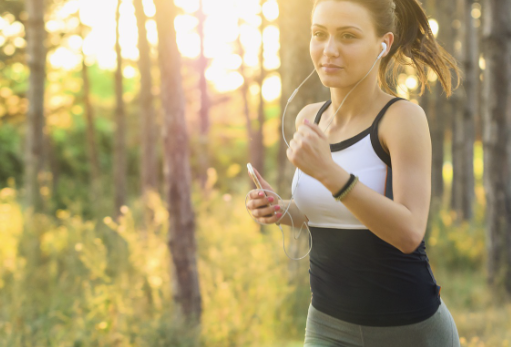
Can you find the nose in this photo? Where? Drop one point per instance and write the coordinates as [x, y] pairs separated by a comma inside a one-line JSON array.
[[331, 49]]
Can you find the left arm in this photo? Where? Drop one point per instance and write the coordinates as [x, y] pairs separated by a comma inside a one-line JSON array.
[[401, 222]]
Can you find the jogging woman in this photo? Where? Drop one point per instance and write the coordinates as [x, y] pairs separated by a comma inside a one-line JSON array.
[[365, 182]]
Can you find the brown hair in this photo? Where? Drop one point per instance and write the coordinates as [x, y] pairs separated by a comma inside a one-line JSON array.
[[414, 43]]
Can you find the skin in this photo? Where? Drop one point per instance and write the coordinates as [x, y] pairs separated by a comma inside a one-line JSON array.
[[403, 132]]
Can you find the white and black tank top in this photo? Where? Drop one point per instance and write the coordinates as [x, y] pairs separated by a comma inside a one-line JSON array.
[[354, 275]]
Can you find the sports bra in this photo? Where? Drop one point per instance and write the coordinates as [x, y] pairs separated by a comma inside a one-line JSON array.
[[361, 155]]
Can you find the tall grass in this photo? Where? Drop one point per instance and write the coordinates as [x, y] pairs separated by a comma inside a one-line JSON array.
[[66, 281]]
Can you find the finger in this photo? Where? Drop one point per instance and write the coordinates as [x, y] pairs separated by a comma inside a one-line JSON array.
[[256, 194], [265, 211], [316, 129], [306, 131], [271, 220]]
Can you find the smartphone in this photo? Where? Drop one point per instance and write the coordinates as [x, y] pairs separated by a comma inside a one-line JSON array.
[[254, 177], [257, 183]]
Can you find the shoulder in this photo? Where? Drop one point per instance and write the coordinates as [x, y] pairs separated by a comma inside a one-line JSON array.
[[308, 112], [403, 121]]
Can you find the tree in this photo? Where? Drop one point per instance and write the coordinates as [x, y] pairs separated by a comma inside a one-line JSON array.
[[464, 115], [296, 65], [257, 144], [440, 108], [149, 168], [496, 140], [91, 132], [182, 244], [202, 64], [120, 127], [36, 53]]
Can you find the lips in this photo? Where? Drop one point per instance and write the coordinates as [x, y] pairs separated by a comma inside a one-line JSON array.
[[330, 68]]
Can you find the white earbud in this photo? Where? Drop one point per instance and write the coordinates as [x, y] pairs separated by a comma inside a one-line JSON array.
[[384, 48]]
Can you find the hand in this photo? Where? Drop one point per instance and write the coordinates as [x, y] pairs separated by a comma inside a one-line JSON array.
[[260, 205], [309, 150]]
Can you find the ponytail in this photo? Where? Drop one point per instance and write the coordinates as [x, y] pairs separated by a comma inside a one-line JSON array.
[[414, 44]]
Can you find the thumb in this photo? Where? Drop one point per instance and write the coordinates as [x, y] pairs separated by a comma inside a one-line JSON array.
[[262, 180]]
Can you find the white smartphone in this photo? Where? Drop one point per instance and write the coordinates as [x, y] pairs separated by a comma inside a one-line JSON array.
[[254, 177], [258, 184]]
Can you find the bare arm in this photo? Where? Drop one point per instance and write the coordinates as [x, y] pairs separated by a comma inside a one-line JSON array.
[[298, 217], [402, 221]]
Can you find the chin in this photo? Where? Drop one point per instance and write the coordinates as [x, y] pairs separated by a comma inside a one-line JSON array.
[[330, 82]]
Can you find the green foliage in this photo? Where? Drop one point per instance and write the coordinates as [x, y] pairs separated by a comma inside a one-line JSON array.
[[76, 282], [11, 163]]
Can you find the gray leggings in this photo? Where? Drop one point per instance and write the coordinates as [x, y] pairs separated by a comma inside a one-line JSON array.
[[323, 330]]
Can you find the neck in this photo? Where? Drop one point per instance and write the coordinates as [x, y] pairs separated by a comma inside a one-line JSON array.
[[359, 100]]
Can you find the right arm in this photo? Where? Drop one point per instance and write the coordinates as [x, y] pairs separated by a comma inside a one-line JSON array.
[[298, 217]]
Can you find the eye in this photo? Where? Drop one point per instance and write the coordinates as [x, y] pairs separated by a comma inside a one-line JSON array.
[[347, 36], [318, 34]]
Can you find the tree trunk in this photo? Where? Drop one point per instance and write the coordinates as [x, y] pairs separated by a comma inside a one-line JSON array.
[[445, 107], [91, 132], [36, 54], [246, 107], [496, 140], [120, 123], [470, 111], [202, 65], [182, 244], [296, 65], [436, 107], [258, 142], [463, 123], [149, 168]]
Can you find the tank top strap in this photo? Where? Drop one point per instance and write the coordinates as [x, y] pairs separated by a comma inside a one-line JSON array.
[[374, 133], [321, 110]]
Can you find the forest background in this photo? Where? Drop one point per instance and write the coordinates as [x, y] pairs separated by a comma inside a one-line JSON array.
[[125, 128]]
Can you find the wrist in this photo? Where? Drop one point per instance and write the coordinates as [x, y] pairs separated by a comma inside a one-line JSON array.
[[334, 178]]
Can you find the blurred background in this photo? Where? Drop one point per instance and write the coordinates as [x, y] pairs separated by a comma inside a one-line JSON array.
[[125, 129]]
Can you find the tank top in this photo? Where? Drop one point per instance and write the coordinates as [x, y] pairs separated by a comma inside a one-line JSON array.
[[354, 275]]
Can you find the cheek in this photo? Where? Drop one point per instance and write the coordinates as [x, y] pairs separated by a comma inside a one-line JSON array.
[[315, 50]]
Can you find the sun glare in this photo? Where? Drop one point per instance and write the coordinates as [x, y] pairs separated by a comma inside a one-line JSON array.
[[272, 88], [271, 10], [433, 24], [226, 21]]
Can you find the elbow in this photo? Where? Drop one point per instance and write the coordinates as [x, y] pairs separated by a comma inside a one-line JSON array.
[[411, 243]]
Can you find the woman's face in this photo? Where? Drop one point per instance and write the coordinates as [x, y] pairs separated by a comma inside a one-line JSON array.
[[342, 34]]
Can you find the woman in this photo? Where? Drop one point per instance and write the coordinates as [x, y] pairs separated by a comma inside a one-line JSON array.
[[365, 186]]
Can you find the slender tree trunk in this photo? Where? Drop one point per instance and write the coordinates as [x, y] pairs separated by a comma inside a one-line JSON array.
[[470, 111], [296, 65], [202, 65], [445, 108], [463, 123], [458, 100], [496, 140], [435, 105], [149, 168], [258, 145], [120, 123], [91, 132], [182, 244], [246, 107], [36, 53]]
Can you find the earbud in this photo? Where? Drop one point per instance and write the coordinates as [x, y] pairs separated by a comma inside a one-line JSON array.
[[384, 48]]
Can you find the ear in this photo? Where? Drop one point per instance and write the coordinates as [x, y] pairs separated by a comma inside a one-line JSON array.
[[388, 39]]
